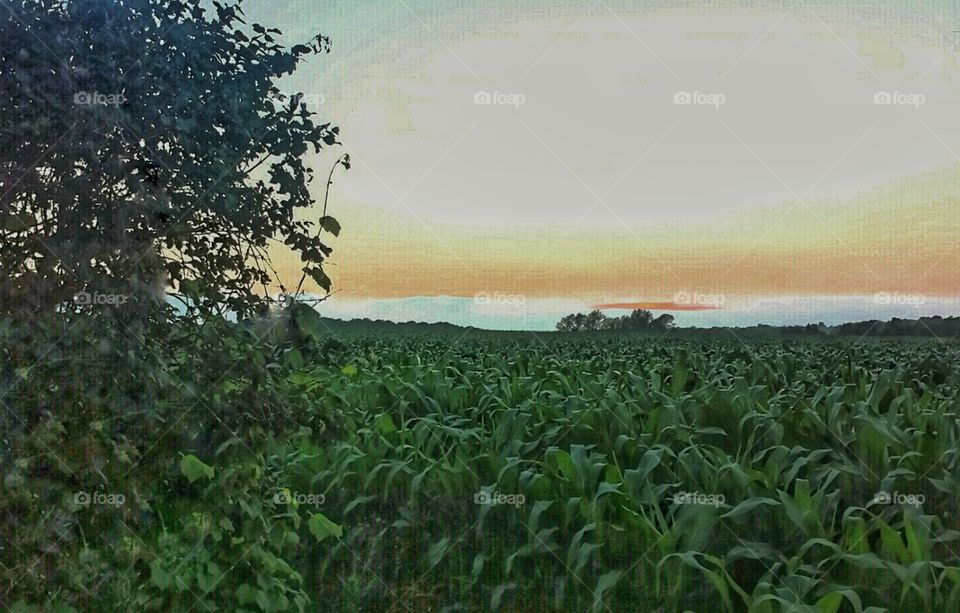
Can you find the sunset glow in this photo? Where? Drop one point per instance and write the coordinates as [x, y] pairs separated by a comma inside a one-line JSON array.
[[754, 149]]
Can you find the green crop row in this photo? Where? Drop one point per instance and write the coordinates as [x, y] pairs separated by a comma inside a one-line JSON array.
[[412, 473]]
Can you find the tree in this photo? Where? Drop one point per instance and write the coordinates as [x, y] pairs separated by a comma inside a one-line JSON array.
[[567, 323], [664, 322], [594, 321], [613, 323], [145, 147], [637, 320]]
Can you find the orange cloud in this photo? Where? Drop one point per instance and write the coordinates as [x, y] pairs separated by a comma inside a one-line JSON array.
[[898, 237]]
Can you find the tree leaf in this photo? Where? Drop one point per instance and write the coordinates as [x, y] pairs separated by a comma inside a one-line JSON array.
[[320, 277], [322, 528], [192, 468], [331, 225]]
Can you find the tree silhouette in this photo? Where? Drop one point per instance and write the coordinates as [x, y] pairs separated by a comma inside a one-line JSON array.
[[146, 145], [637, 320]]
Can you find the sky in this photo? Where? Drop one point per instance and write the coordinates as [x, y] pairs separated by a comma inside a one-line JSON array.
[[515, 161]]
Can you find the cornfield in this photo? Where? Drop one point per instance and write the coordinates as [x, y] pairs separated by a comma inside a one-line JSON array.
[[631, 474], [390, 472]]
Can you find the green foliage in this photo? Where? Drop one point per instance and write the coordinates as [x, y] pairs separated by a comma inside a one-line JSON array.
[[192, 468], [266, 466], [321, 527], [639, 320], [151, 148], [107, 502], [602, 437]]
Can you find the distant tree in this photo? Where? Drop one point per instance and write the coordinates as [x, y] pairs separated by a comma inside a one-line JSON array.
[[568, 323], [612, 324], [637, 320], [664, 322], [594, 321], [146, 144], [641, 320]]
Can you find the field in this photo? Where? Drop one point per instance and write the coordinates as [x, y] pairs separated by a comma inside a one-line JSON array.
[[507, 472]]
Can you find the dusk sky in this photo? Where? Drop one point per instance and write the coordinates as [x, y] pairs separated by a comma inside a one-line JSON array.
[[515, 161]]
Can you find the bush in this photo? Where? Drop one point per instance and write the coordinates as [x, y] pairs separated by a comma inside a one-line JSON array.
[[140, 466]]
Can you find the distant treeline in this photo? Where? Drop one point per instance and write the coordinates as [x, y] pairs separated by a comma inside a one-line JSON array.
[[337, 326], [642, 320], [639, 320], [943, 327]]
